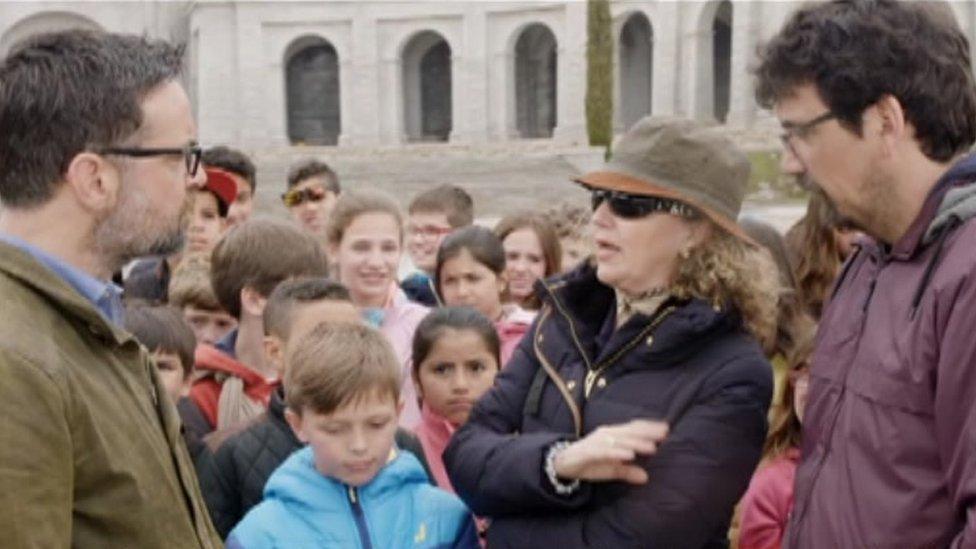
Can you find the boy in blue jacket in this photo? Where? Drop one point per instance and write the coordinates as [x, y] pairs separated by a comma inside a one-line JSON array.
[[350, 487]]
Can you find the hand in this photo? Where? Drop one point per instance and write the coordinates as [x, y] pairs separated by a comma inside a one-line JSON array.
[[608, 453]]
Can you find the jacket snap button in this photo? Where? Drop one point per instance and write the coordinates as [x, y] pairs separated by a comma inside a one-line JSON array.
[[571, 385], [602, 382], [650, 341]]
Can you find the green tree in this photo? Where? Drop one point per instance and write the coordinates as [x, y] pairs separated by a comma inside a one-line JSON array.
[[599, 73]]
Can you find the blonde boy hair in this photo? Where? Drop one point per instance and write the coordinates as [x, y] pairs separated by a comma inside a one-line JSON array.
[[190, 285], [333, 365]]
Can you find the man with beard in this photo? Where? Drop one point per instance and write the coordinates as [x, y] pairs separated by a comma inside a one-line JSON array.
[[98, 150], [878, 108]]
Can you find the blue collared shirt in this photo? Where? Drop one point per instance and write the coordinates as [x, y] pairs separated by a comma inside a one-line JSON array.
[[104, 295]]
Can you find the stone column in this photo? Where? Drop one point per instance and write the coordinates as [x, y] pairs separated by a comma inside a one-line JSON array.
[[216, 73], [744, 31], [469, 79], [669, 66], [360, 121], [571, 77]]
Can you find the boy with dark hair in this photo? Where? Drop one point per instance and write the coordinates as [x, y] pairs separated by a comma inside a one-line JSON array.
[[351, 487], [246, 266], [233, 478], [432, 215], [313, 189], [170, 341], [242, 171]]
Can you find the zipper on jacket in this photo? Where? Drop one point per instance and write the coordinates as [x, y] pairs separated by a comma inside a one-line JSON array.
[[360, 518], [594, 373], [554, 374]]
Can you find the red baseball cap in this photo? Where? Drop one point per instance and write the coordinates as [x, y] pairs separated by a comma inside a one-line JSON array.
[[223, 186]]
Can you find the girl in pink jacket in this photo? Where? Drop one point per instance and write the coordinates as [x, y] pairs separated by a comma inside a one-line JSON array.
[[365, 239], [768, 502]]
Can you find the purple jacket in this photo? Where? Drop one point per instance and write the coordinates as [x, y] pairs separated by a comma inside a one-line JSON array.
[[889, 433]]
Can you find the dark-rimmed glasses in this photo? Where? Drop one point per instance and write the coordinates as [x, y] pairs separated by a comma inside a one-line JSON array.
[[802, 129], [191, 153], [635, 206], [297, 197]]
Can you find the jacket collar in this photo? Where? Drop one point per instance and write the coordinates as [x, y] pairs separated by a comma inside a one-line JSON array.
[[591, 305], [29, 271], [961, 173]]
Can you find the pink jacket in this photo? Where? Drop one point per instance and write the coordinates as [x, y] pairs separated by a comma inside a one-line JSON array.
[[399, 324], [434, 433], [767, 504], [515, 321]]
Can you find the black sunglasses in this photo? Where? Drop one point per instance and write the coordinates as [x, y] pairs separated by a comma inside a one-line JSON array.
[[191, 153], [634, 206]]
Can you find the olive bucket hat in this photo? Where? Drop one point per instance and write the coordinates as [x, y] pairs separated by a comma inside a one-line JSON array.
[[681, 160]]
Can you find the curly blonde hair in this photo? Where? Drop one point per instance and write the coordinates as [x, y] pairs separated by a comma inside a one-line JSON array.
[[726, 272]]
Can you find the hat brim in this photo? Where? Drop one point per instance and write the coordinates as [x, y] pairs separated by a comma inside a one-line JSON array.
[[615, 181], [222, 185]]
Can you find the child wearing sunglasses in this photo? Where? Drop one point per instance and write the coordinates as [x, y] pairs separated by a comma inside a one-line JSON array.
[[313, 189]]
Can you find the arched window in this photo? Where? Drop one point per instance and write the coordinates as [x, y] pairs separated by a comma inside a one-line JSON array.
[[312, 84], [636, 69], [535, 81], [722, 59], [427, 88]]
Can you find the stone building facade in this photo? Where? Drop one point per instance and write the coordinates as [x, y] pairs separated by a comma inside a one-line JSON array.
[[377, 73]]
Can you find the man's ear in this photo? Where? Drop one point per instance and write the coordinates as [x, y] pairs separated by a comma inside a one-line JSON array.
[[894, 127], [295, 422], [94, 182], [252, 302]]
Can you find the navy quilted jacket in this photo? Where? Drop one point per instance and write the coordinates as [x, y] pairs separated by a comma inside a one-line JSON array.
[[690, 365]]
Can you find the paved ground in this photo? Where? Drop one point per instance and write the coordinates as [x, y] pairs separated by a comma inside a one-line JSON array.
[[501, 178]]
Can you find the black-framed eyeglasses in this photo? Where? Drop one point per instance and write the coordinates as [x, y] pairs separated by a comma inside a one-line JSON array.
[[802, 129], [191, 153], [634, 206]]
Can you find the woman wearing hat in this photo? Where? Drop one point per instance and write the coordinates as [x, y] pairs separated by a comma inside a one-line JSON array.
[[634, 411]]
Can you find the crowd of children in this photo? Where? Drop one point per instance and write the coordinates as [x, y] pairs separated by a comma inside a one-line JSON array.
[[273, 336], [601, 377]]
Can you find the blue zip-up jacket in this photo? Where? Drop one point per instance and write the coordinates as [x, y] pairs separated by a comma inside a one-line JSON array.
[[398, 508]]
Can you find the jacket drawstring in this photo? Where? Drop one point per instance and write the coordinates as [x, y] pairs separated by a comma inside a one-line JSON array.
[[943, 233]]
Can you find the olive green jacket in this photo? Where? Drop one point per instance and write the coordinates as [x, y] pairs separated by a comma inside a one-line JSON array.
[[90, 447]]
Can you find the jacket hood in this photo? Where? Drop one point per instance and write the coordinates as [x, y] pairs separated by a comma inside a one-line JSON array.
[[299, 485], [959, 201]]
